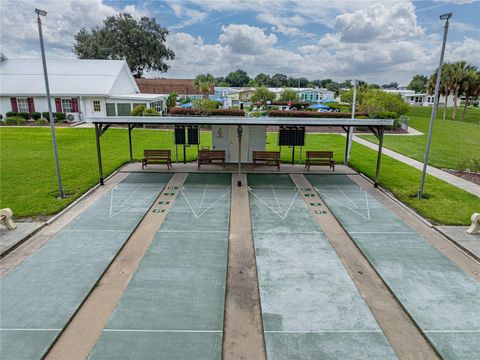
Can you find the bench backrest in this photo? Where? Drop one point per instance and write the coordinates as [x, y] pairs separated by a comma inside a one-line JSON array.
[[274, 155], [319, 154], [156, 153], [205, 153]]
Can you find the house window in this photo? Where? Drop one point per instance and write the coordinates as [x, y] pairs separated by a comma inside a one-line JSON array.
[[111, 109], [157, 105], [124, 109], [96, 106], [67, 105], [22, 105]]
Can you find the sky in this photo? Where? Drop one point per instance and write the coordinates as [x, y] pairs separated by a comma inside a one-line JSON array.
[[370, 40]]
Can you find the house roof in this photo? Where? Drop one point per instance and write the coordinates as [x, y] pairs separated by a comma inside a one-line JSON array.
[[66, 76], [167, 86]]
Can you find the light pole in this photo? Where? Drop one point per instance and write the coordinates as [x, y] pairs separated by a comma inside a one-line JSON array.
[[445, 17], [350, 129], [47, 87]]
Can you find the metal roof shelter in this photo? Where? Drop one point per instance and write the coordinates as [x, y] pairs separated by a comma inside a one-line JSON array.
[[376, 126]]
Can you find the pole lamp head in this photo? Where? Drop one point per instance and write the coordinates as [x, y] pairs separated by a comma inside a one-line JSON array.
[[41, 12], [445, 16]]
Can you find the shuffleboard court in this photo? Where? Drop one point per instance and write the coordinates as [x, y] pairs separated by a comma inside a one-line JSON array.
[[311, 308], [40, 296], [443, 300], [173, 307]]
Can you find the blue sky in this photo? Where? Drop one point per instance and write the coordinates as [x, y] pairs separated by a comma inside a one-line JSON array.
[[372, 40]]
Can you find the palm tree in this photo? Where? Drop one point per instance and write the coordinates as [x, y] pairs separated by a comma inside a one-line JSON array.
[[470, 87], [203, 83], [458, 74], [445, 86]]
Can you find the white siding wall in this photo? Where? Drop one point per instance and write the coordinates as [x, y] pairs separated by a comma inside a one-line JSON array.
[[87, 107], [257, 139], [123, 84], [40, 103]]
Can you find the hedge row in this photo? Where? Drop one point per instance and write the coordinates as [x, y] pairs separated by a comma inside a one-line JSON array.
[[293, 103], [215, 112], [312, 114], [58, 116], [17, 120]]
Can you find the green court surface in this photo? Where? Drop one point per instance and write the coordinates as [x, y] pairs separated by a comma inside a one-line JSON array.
[[39, 297], [173, 308], [442, 299], [311, 308]]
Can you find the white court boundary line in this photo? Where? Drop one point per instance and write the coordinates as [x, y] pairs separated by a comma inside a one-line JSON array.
[[349, 208], [320, 331], [30, 329], [163, 331], [202, 213], [283, 217]]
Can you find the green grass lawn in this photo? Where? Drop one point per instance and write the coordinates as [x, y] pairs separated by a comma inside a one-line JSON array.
[[28, 182], [452, 141]]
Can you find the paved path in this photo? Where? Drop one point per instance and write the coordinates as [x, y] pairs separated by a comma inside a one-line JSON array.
[[439, 174]]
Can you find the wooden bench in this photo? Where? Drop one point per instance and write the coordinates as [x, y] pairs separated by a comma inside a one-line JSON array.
[[206, 156], [266, 158], [320, 158], [157, 157]]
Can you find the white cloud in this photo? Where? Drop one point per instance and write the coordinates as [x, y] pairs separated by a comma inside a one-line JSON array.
[[457, 2], [245, 39], [379, 21], [19, 31], [188, 15]]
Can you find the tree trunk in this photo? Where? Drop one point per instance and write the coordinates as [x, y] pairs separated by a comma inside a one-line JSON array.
[[455, 103], [465, 108], [445, 107]]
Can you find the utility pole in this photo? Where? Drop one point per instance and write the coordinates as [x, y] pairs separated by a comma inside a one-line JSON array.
[[49, 100], [445, 17], [350, 128]]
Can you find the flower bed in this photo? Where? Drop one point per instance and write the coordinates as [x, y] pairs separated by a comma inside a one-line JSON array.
[[214, 112]]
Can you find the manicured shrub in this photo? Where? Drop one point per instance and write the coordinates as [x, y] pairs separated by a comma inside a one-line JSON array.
[[311, 114], [297, 104], [59, 116], [138, 110], [21, 121], [151, 112], [10, 121], [24, 115], [182, 111], [41, 122], [228, 112], [214, 112], [11, 114], [35, 115]]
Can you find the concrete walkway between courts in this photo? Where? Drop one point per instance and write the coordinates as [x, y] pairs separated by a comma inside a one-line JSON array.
[[439, 174]]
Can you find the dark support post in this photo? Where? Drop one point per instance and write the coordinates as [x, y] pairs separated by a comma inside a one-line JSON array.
[[130, 128], [239, 135], [98, 129], [293, 154], [347, 140], [184, 153], [379, 157]]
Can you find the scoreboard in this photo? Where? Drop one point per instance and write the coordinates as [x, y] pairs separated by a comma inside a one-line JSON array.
[[291, 136]]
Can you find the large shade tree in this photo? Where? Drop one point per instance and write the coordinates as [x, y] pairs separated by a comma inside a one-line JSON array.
[[140, 42], [262, 95], [237, 78], [418, 83]]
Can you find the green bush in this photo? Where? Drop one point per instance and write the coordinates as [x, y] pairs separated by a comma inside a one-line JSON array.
[[24, 115], [11, 114], [205, 106], [35, 115], [59, 116], [11, 120], [21, 121], [138, 110], [151, 112], [41, 122]]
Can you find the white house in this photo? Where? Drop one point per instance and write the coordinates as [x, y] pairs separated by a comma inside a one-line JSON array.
[[79, 88], [413, 98]]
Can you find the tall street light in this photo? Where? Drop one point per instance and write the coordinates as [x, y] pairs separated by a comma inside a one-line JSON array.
[[445, 17], [49, 100]]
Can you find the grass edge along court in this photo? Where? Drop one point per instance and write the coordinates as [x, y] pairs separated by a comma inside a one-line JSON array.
[[28, 182]]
